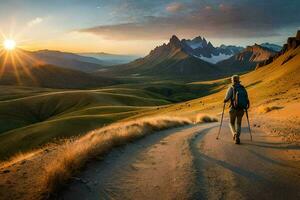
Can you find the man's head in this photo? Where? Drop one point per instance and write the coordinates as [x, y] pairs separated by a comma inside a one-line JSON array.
[[235, 79]]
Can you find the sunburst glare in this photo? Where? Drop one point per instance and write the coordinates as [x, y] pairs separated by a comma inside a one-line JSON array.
[[9, 44]]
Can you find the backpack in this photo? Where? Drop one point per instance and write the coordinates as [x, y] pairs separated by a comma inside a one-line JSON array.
[[240, 97]]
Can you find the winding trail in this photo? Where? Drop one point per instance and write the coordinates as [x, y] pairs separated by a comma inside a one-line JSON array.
[[189, 163]]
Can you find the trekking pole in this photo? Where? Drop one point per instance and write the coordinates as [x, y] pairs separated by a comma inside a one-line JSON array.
[[221, 122], [249, 124]]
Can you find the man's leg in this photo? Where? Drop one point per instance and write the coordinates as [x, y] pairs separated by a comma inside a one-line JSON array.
[[239, 116], [232, 115]]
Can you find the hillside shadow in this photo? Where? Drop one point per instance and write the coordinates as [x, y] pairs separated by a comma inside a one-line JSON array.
[[237, 170], [203, 162], [269, 160], [253, 84], [271, 145]]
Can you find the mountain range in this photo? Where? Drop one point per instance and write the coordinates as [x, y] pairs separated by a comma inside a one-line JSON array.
[[51, 69], [109, 59], [204, 50], [271, 46], [194, 59], [169, 60], [247, 59], [67, 60]]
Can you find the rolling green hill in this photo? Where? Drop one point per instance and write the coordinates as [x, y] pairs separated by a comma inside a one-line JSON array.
[[39, 116]]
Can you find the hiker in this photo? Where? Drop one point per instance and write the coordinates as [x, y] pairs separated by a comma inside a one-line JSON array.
[[239, 101]]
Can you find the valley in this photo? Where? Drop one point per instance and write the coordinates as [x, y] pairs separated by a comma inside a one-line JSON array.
[[72, 110]]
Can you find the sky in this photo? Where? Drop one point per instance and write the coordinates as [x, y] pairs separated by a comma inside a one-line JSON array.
[[137, 26]]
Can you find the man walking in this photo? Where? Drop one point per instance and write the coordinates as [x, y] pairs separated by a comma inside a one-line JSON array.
[[239, 101]]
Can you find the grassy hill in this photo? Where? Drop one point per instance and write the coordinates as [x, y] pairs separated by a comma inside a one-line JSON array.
[[35, 117], [38, 116], [174, 91], [49, 76], [31, 117]]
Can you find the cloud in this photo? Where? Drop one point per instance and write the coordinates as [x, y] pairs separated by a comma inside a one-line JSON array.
[[35, 21], [233, 19], [175, 7]]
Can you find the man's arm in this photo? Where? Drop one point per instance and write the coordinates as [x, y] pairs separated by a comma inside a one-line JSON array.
[[229, 94]]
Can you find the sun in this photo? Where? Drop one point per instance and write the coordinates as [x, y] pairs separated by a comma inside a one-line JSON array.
[[9, 44]]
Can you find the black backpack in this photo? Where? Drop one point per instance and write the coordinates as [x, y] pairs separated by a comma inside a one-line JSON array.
[[240, 97]]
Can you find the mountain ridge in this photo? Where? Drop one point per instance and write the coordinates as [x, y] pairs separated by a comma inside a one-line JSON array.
[[247, 59], [173, 59]]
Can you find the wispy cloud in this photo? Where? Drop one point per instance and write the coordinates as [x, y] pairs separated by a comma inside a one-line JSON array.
[[35, 21], [175, 7], [226, 20]]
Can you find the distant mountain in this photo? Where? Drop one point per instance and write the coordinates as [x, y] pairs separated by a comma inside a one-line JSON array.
[[204, 50], [67, 60], [174, 59], [24, 69], [111, 59], [232, 49], [273, 47], [291, 44], [247, 59]]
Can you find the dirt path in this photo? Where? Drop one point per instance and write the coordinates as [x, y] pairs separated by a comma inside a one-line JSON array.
[[188, 163]]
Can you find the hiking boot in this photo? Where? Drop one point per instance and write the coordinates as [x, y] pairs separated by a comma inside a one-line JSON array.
[[237, 140]]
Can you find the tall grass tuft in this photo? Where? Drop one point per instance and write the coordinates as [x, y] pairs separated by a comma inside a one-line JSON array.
[[200, 118], [73, 155]]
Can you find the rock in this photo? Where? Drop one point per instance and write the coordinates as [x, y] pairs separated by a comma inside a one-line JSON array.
[[284, 48], [298, 35], [289, 42]]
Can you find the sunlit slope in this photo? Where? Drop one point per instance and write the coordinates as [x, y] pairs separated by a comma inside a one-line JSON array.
[[277, 83], [27, 122]]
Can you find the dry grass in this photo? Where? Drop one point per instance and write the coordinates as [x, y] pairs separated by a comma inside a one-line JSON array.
[[73, 155], [205, 118]]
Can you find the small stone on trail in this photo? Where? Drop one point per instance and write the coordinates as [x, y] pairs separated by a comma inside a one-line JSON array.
[[23, 162]]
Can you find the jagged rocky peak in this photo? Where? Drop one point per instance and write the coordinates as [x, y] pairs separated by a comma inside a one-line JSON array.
[[174, 42], [204, 42], [210, 45], [174, 39], [197, 42], [198, 38]]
